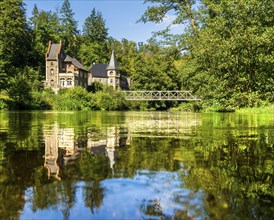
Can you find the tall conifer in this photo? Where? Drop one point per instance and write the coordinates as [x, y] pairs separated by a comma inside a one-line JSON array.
[[70, 33]]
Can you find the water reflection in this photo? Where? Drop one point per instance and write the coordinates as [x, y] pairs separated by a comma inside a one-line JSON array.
[[141, 165], [62, 146]]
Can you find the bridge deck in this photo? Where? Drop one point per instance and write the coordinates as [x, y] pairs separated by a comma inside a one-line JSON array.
[[160, 95]]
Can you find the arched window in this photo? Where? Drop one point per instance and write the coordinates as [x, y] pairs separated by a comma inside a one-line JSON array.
[[62, 82], [51, 82], [111, 72], [52, 71], [69, 82]]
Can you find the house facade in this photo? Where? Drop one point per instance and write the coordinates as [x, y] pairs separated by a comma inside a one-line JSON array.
[[109, 74], [63, 71]]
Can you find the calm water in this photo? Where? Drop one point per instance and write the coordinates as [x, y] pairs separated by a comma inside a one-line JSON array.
[[136, 165]]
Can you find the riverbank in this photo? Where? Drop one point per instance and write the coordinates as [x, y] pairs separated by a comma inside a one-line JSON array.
[[196, 107], [80, 99], [265, 110]]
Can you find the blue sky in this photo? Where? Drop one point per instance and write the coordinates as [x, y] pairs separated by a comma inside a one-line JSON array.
[[120, 16]]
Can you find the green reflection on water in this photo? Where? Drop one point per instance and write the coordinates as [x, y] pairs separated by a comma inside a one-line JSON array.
[[44, 155]]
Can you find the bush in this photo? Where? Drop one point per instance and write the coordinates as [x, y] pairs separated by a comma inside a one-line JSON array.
[[19, 92]]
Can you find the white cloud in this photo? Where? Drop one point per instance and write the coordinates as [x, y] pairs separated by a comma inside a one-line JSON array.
[[168, 19]]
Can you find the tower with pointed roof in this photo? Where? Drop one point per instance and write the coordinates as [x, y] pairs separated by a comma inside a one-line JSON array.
[[113, 72]]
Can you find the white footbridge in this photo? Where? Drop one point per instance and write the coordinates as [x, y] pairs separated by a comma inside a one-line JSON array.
[[160, 96]]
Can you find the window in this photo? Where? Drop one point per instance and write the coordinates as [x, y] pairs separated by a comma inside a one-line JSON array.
[[52, 71], [117, 81], [111, 72], [69, 82], [111, 81], [51, 82], [62, 82], [51, 63]]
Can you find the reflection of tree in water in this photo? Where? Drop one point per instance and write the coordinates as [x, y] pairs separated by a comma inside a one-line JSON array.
[[94, 168], [11, 200], [20, 124], [93, 195], [237, 175]]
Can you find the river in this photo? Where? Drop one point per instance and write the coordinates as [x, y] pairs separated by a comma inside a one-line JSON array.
[[136, 165]]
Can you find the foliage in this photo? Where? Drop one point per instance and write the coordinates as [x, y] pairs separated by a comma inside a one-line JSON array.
[[19, 91], [236, 53], [183, 11], [14, 39], [94, 46], [220, 56], [266, 108], [188, 107], [69, 30], [78, 98], [45, 27]]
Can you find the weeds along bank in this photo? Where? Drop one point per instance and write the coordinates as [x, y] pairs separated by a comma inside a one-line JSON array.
[[106, 98], [76, 98]]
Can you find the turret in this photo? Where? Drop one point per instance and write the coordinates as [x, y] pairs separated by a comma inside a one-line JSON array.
[[113, 72]]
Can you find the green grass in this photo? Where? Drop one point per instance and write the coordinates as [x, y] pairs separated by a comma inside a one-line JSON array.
[[264, 109]]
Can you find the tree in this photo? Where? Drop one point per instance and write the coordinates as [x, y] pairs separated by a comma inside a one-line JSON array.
[[94, 29], [14, 39], [45, 27], [126, 53], [181, 8], [237, 53], [70, 38], [155, 70], [95, 34]]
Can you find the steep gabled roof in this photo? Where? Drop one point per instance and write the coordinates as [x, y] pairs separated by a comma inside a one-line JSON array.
[[54, 51], [75, 62], [99, 70], [113, 63]]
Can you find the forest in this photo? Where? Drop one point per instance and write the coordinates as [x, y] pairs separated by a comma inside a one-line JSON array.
[[225, 55]]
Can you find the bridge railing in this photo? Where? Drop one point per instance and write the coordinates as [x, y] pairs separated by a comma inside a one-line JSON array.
[[160, 95]]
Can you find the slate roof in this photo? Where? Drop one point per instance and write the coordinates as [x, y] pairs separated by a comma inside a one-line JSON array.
[[75, 62], [113, 63], [53, 52], [99, 70]]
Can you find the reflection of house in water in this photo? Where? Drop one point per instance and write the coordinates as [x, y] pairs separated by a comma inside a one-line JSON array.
[[59, 142], [51, 152], [62, 148], [108, 144]]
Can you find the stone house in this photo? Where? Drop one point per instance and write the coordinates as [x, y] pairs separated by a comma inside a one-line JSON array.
[[63, 71], [109, 74]]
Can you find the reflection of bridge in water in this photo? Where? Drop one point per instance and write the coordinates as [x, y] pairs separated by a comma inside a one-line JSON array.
[[160, 96]]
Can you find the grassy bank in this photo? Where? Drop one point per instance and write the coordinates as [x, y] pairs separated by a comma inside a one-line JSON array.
[[264, 109]]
